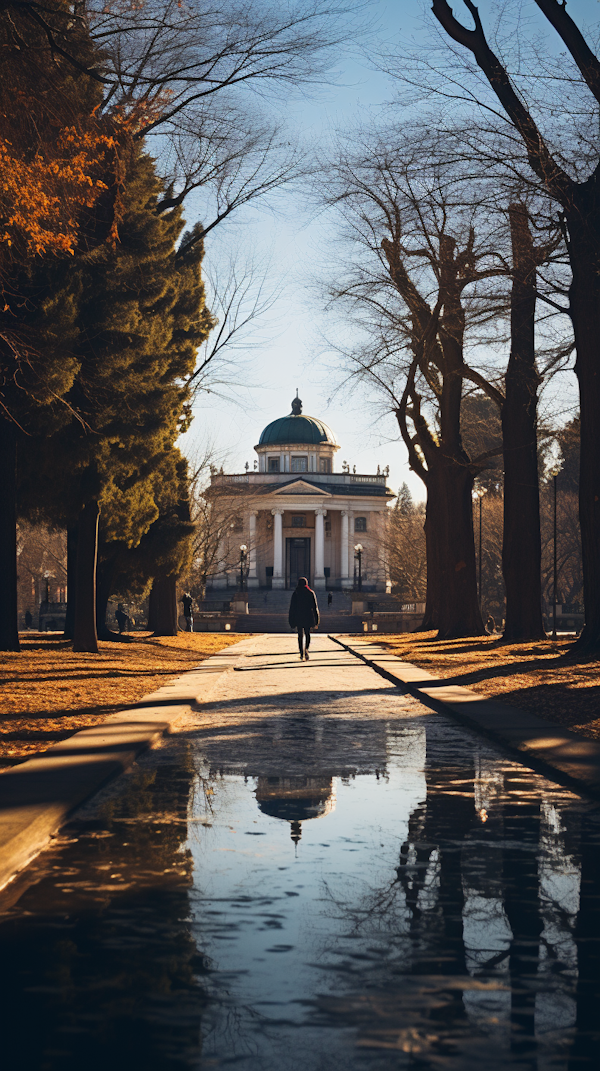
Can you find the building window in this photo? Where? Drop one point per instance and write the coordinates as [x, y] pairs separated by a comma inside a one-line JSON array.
[[327, 526], [298, 520], [299, 464], [360, 524], [324, 464], [273, 464]]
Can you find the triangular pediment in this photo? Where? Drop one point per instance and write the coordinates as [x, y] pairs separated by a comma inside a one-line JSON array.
[[301, 487]]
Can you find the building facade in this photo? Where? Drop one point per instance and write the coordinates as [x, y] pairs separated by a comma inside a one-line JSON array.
[[298, 517]]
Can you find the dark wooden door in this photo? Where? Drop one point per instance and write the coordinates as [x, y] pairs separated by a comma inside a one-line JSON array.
[[297, 561]]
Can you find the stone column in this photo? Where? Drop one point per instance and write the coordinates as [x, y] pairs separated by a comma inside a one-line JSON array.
[[348, 561], [278, 577], [219, 580], [252, 574], [319, 579], [344, 547]]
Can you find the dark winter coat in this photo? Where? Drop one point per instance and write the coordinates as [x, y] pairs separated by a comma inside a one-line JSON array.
[[304, 612]]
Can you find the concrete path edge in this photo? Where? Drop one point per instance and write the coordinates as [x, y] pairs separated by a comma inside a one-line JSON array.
[[557, 753], [39, 795]]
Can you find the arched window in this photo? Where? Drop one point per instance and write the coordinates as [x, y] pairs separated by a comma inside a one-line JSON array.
[[360, 524]]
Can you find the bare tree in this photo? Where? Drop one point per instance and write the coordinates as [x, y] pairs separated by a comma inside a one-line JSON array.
[[404, 548], [425, 285], [218, 507], [199, 78], [573, 184]]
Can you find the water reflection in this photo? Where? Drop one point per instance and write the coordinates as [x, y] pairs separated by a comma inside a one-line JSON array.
[[438, 907], [295, 799], [99, 965]]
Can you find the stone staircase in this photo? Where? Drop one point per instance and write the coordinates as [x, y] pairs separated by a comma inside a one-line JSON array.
[[279, 623], [267, 601]]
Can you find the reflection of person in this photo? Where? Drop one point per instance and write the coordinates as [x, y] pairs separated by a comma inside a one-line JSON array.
[[188, 610], [303, 615], [329, 600]]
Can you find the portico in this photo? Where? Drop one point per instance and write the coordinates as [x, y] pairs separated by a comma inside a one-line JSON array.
[[300, 518]]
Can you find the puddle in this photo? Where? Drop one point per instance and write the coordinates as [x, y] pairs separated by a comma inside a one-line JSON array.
[[310, 894]]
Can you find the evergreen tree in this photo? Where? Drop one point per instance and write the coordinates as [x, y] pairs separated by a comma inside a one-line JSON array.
[[57, 192], [141, 318], [163, 551], [404, 502]]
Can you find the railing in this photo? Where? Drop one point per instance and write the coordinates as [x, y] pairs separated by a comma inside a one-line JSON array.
[[367, 479]]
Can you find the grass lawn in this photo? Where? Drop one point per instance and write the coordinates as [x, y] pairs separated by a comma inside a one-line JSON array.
[[47, 692], [533, 676]]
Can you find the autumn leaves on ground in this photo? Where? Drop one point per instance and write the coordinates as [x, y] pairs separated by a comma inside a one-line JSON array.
[[48, 692], [539, 677]]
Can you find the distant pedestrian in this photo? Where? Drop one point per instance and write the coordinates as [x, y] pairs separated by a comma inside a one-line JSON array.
[[329, 600], [28, 620], [303, 615], [121, 618], [188, 611], [490, 625]]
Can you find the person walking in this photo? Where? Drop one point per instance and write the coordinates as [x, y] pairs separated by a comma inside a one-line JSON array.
[[188, 611], [121, 618], [303, 615]]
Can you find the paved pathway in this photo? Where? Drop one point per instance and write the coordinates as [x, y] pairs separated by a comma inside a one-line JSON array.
[[270, 683], [314, 872]]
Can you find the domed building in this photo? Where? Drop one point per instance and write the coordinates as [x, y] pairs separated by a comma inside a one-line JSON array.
[[297, 516]]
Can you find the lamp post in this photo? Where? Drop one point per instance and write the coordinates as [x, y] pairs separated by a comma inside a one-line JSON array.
[[555, 471], [478, 494], [358, 552], [47, 577], [243, 556]]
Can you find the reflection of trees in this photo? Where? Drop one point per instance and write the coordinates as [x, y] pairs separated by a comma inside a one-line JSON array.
[[99, 964], [522, 906], [486, 886], [587, 1038]]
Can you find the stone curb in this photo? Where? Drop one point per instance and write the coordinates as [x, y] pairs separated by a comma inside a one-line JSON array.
[[37, 796], [559, 754]]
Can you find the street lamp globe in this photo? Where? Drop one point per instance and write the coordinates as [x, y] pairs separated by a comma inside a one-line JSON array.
[[358, 548], [243, 548]]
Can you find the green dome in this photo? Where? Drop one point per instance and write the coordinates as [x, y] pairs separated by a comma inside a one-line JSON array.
[[297, 428]]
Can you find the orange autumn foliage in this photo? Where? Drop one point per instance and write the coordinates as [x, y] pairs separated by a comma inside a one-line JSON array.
[[41, 198]]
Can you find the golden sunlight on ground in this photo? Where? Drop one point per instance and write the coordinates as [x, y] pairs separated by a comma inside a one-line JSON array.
[[47, 692], [534, 676]]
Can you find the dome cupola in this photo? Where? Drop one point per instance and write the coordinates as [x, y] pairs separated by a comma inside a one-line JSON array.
[[297, 428], [297, 443]]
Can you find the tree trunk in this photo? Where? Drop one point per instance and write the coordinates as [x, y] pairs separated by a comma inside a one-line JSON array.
[[85, 638], [162, 606], [584, 1051], [584, 251], [522, 906], [454, 549], [431, 618], [72, 535], [9, 625], [521, 545]]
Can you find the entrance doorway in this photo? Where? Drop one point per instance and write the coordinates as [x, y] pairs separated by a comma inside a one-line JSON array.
[[297, 561]]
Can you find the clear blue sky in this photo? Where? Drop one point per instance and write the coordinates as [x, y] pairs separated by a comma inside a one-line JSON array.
[[290, 353]]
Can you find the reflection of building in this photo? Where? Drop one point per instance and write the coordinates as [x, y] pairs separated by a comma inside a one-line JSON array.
[[299, 517], [296, 799]]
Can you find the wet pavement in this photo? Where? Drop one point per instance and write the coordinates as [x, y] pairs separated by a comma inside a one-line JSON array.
[[318, 873]]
